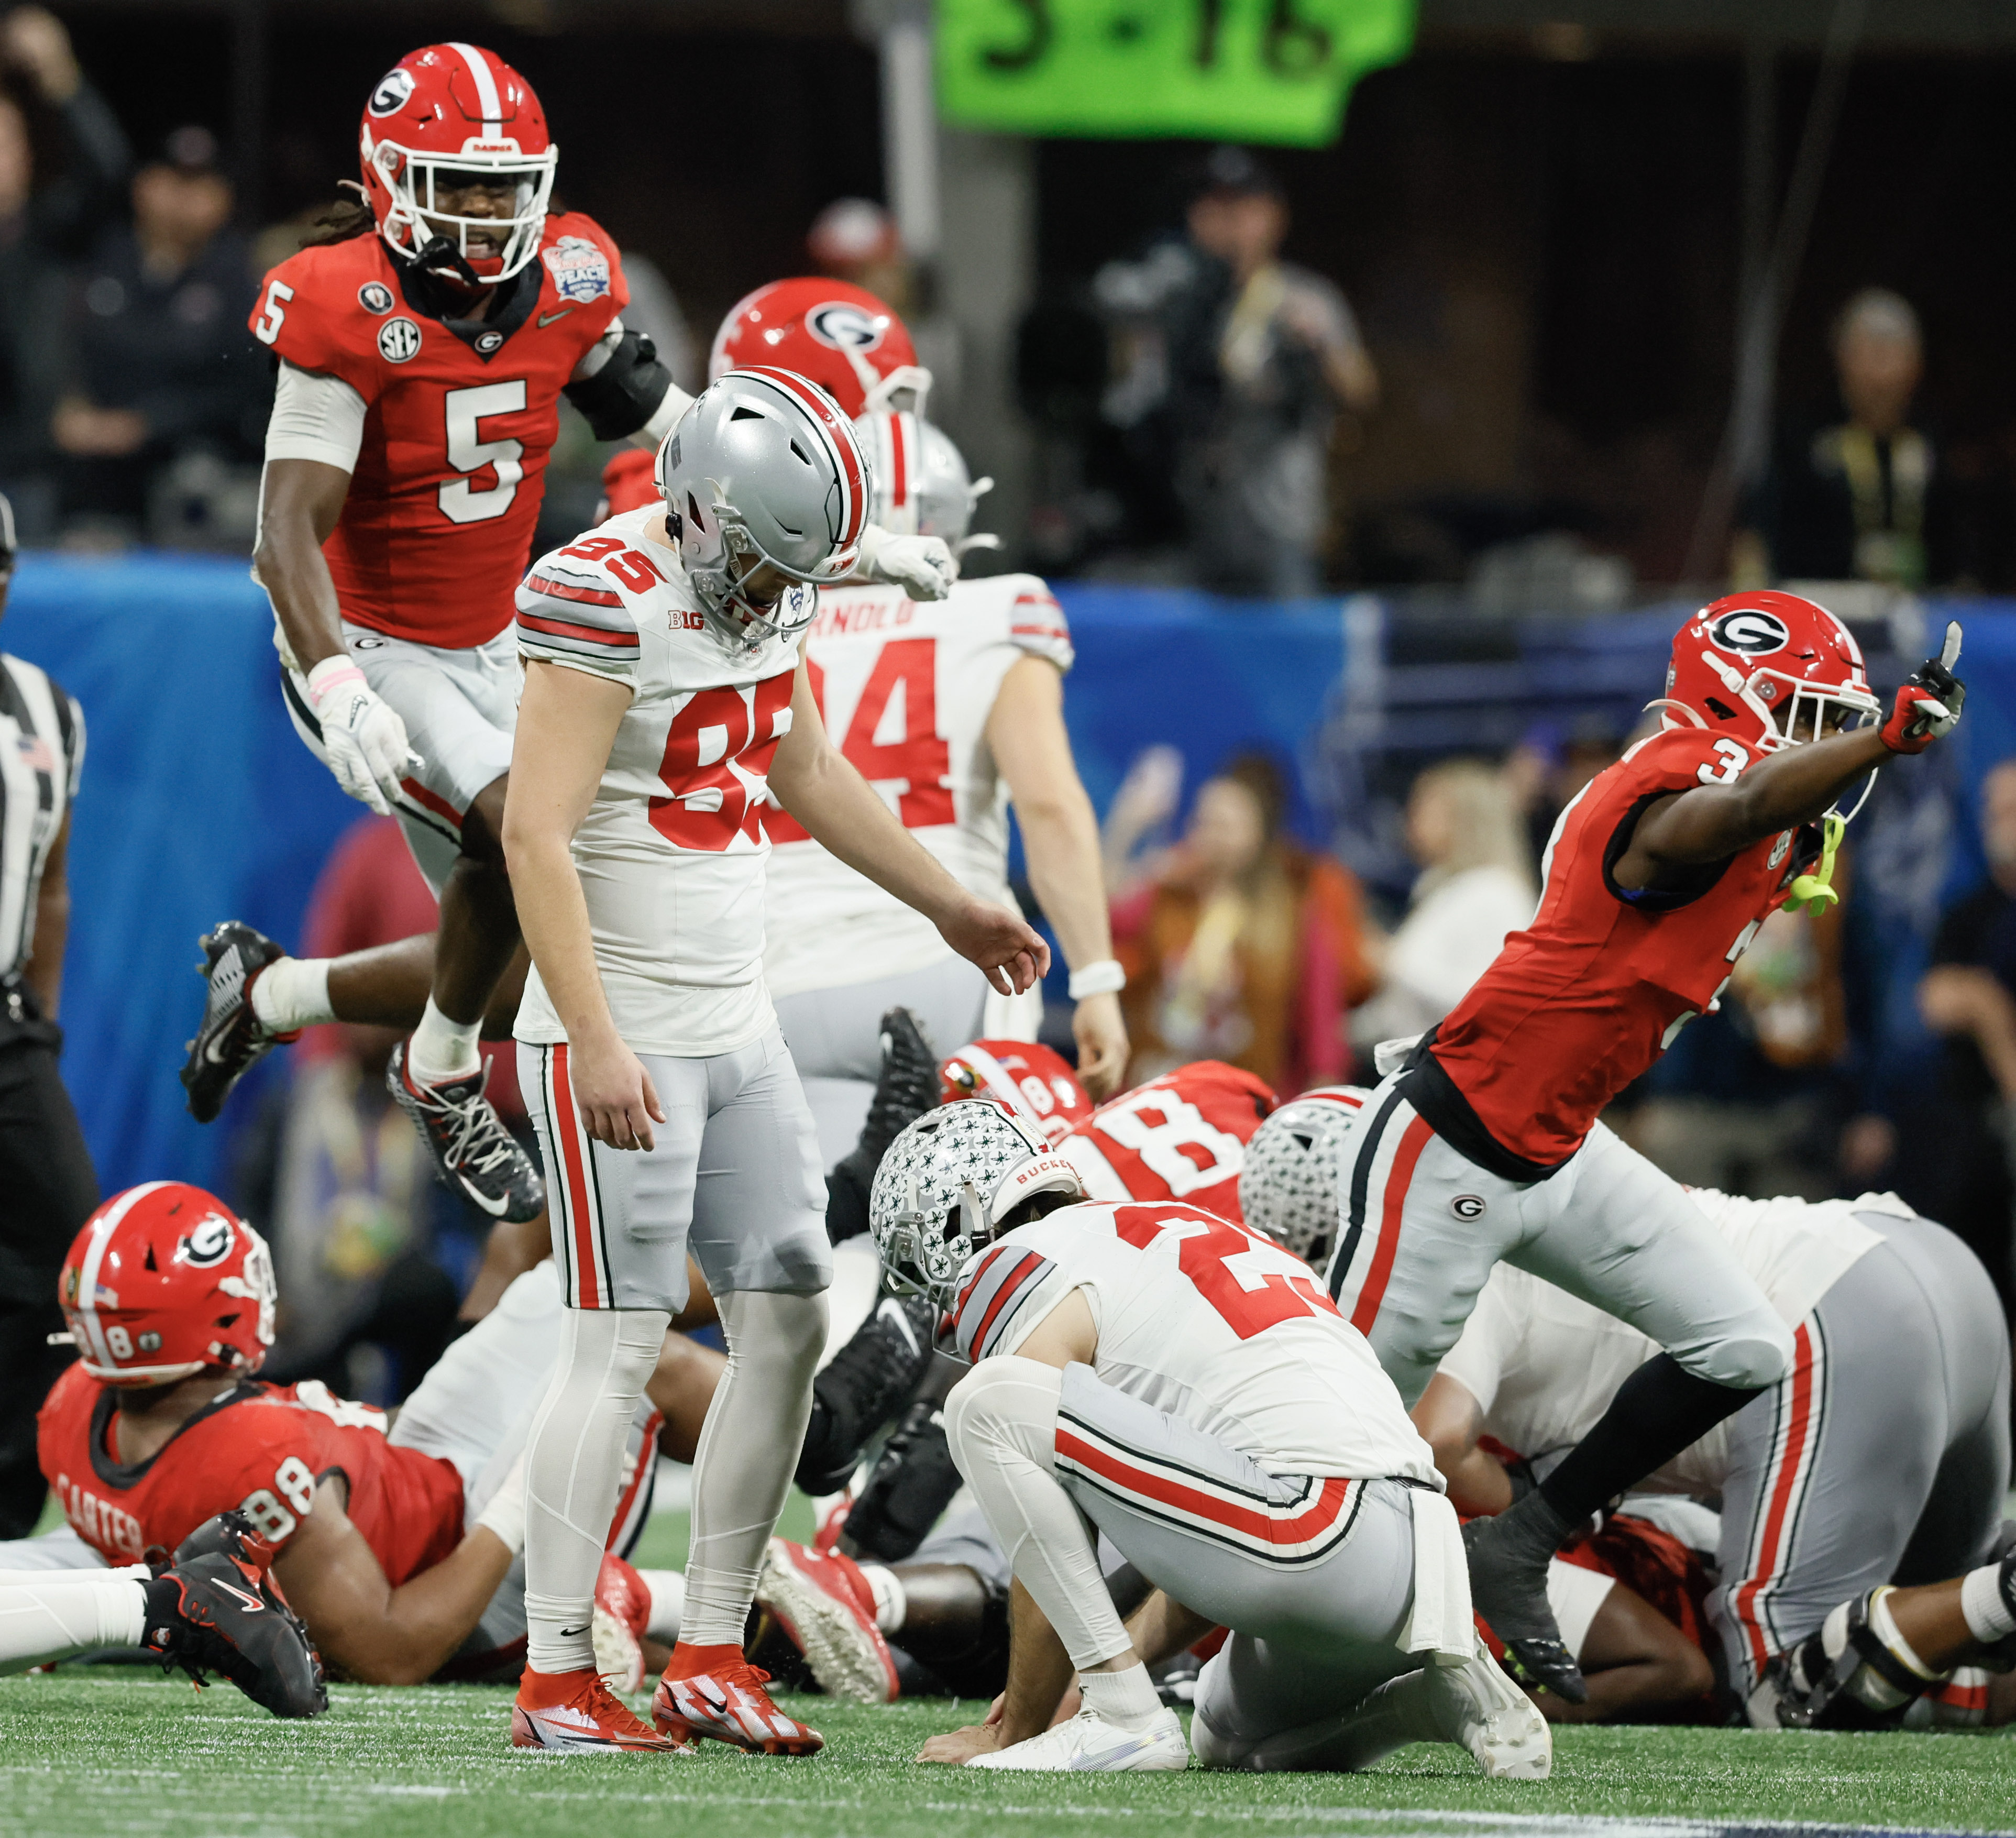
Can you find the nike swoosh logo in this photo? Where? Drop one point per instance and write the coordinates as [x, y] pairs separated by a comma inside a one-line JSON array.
[[495, 1208], [546, 319], [253, 1604], [568, 1633]]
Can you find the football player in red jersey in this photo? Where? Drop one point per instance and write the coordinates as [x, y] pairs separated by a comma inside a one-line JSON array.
[[399, 1546], [423, 344], [1484, 1143]]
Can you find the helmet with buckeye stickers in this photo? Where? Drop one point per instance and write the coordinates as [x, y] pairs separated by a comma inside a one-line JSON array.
[[449, 115], [163, 1281], [1769, 669], [1291, 1187], [841, 336], [947, 1184]]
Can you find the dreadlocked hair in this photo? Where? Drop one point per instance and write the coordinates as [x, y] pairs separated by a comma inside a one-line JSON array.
[[343, 219]]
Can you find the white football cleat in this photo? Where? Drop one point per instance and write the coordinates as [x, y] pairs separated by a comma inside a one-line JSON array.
[[1478, 1706], [1086, 1744]]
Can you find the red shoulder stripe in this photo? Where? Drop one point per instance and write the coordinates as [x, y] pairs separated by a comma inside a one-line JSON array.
[[564, 629], [594, 596]]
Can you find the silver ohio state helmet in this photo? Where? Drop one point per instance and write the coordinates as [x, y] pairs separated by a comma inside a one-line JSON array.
[[922, 486], [947, 1183], [1291, 1187], [763, 467]]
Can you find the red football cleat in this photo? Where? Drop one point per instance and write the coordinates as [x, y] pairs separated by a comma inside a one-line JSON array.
[[577, 1714], [824, 1603], [712, 1691], [622, 1612]]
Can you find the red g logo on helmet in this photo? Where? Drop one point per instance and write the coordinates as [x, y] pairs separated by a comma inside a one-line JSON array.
[[1751, 631]]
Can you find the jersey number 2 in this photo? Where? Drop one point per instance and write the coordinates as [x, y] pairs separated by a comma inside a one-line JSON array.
[[461, 503], [1228, 1268]]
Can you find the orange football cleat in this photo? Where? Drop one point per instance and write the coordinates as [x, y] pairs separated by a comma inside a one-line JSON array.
[[713, 1692], [576, 1714]]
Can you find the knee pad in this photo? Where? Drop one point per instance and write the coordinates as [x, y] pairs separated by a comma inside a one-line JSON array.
[[1004, 1403], [1755, 1357]]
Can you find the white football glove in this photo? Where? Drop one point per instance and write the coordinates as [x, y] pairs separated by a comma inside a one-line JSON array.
[[362, 735], [923, 567]]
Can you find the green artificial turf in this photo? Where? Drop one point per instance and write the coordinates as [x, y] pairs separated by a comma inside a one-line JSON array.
[[106, 1754]]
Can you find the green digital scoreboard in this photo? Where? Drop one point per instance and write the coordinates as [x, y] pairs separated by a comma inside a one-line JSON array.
[[1269, 70]]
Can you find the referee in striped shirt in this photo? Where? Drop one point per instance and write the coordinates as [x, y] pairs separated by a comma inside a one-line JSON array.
[[47, 1187]]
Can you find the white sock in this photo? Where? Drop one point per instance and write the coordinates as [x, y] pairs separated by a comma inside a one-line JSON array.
[[442, 1049], [574, 1471], [293, 992], [892, 1600], [1125, 1698], [748, 1448], [51, 1614], [1987, 1616], [668, 1595]]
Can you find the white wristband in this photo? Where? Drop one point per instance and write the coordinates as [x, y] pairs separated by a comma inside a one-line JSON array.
[[1105, 978]]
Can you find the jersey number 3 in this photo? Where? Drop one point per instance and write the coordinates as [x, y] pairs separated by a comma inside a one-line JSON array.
[[468, 453]]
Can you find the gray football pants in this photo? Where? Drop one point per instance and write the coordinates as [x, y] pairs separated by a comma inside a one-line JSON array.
[[1423, 1226], [835, 1038], [1882, 1457]]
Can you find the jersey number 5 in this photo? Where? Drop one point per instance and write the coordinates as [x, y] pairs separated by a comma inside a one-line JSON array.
[[461, 503]]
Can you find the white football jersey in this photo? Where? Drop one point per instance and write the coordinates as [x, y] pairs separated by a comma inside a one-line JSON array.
[[672, 852], [1544, 1366], [1205, 1320], [906, 688]]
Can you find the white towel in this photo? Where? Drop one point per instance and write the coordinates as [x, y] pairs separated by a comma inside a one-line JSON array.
[[1440, 1624], [1389, 1056]]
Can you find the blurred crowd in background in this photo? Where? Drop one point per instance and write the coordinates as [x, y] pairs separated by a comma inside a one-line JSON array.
[[1192, 400]]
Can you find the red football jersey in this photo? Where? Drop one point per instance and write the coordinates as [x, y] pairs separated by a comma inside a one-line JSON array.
[[437, 527], [261, 1449], [1583, 1000], [1182, 1136]]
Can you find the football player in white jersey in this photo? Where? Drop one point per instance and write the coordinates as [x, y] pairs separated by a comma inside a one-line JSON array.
[[1882, 1457], [1188, 1388], [665, 708], [951, 709]]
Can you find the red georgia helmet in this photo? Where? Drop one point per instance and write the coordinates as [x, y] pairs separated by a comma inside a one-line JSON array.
[[1767, 668], [164, 1280], [1027, 1080], [456, 108], [841, 336]]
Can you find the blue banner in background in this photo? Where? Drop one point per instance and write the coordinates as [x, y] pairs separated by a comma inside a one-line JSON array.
[[200, 803]]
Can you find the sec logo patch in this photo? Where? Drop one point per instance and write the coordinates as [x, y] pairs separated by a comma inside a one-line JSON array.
[[1467, 1206], [374, 296], [398, 340]]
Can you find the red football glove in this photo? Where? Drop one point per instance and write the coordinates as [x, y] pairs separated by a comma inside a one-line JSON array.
[[1928, 701]]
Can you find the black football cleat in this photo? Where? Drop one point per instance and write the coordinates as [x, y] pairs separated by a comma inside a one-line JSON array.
[[906, 1088], [907, 1491], [1508, 1584], [214, 1612], [474, 1152], [862, 1386], [232, 1039]]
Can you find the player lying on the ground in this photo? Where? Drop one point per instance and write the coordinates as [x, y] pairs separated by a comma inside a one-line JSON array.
[[1284, 1495], [1881, 1457], [208, 1608]]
